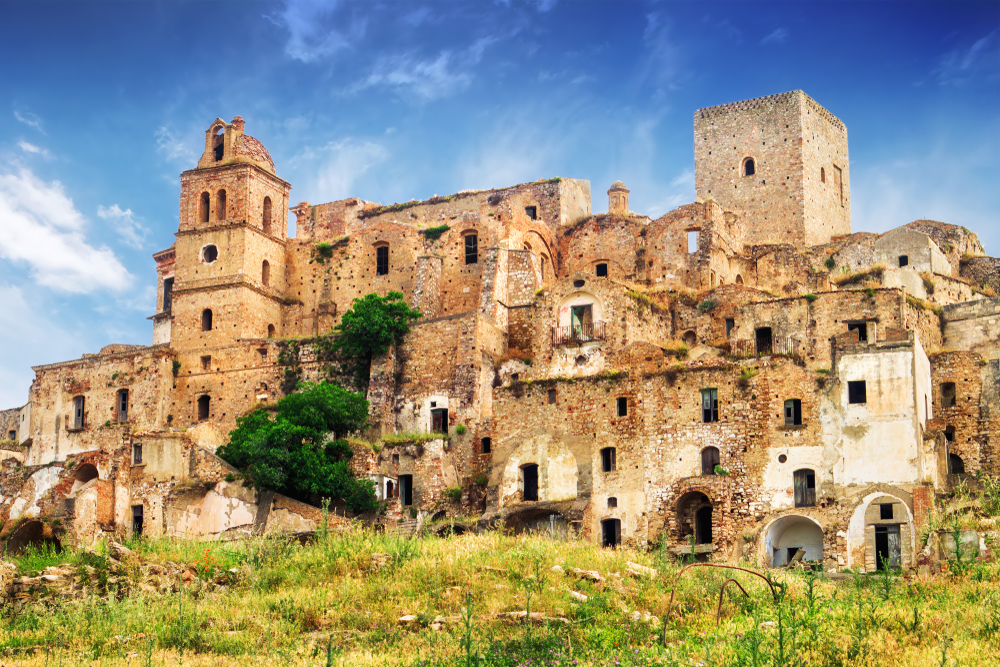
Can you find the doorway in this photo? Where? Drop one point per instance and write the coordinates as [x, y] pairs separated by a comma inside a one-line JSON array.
[[611, 532], [530, 474], [703, 526], [887, 547]]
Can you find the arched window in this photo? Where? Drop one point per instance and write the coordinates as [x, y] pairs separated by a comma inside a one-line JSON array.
[[206, 319], [608, 459], [805, 488], [612, 502], [206, 204], [709, 459], [270, 331], [749, 168], [956, 466], [204, 403], [822, 175], [471, 248], [265, 273], [266, 221], [220, 205], [948, 394], [219, 144]]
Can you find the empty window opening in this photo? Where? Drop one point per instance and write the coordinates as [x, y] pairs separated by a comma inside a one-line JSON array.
[[395, 459], [204, 403], [270, 331], [78, 411], [857, 392], [552, 396], [262, 351], [471, 249], [608, 460], [168, 294], [204, 207], [121, 404], [781, 457], [12, 435], [406, 490], [822, 175], [949, 433], [390, 489], [709, 405], [210, 253], [692, 242], [690, 338], [220, 205], [764, 339], [709, 460], [439, 420], [611, 533], [136, 453], [602, 270], [206, 319], [730, 323], [703, 525], [529, 481], [861, 328], [578, 283], [612, 502], [904, 260], [622, 404], [888, 554], [487, 445], [265, 273], [266, 218], [137, 520], [885, 512], [956, 466], [531, 212], [749, 168], [206, 363], [838, 183], [793, 412], [804, 482], [382, 260], [947, 394]]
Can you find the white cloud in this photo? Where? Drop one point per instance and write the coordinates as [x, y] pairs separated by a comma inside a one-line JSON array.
[[338, 165], [29, 119], [125, 224], [174, 149], [309, 35], [661, 63], [779, 36], [40, 226], [964, 64], [32, 148], [546, 5]]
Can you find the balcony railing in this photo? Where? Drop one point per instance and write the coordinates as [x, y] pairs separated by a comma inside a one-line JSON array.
[[579, 333], [748, 348]]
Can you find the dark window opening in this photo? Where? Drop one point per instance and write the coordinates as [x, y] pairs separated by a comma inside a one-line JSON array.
[[804, 482], [822, 175], [703, 525], [709, 460], [730, 324], [611, 533], [390, 489], [204, 403], [136, 454], [904, 260], [439, 420], [608, 459], [406, 490], [857, 392], [206, 362], [764, 340], [265, 273], [382, 260], [612, 502], [602, 270], [947, 394], [395, 459], [206, 319], [78, 411], [949, 433], [122, 405], [137, 520], [530, 475], [888, 552], [709, 405], [270, 331], [793, 412], [220, 205], [578, 283], [956, 466], [12, 435], [205, 207], [749, 168], [487, 445], [838, 182], [622, 404], [210, 253], [471, 249], [885, 512], [552, 396], [266, 218], [168, 294], [861, 328], [531, 212]]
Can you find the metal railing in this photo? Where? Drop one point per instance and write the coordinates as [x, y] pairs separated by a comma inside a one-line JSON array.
[[748, 348], [579, 333]]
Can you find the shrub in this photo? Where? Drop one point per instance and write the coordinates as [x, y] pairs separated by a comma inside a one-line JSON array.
[[434, 233], [482, 479], [706, 305], [324, 250], [719, 470], [370, 326], [830, 262], [454, 494], [811, 297], [928, 283], [460, 429], [176, 367]]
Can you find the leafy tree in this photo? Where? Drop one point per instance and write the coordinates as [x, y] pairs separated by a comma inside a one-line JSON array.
[[297, 452], [371, 325]]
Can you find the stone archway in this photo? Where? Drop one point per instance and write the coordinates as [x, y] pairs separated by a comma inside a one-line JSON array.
[[862, 532], [32, 535], [788, 534], [696, 517]]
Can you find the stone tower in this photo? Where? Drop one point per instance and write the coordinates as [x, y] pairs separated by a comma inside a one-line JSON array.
[[618, 198], [781, 161]]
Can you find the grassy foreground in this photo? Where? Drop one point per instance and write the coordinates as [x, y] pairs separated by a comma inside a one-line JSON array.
[[338, 602]]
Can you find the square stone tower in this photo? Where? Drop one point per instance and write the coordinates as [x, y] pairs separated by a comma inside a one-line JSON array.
[[781, 161]]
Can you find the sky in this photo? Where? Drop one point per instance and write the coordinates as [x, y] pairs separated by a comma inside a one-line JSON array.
[[103, 104]]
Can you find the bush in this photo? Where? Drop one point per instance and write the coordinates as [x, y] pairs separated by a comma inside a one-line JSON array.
[[460, 429], [370, 326], [454, 494], [811, 297], [434, 233], [324, 250], [706, 305], [830, 263], [482, 479]]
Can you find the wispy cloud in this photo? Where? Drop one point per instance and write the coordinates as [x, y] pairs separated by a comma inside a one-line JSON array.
[[338, 165], [41, 227], [29, 119], [311, 33], [966, 63], [546, 5], [32, 148], [778, 36], [173, 149], [661, 64], [125, 224]]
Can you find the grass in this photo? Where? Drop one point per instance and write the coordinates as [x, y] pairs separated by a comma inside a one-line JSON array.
[[332, 603], [872, 275]]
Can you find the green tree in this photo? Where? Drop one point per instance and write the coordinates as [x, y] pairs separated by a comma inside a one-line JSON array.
[[298, 451], [370, 326]]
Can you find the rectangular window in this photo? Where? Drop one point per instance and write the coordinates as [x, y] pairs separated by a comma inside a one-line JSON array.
[[857, 392], [608, 462], [122, 405], [487, 445], [529, 474], [136, 454], [531, 212], [582, 322], [12, 435], [730, 324], [805, 488], [764, 340], [471, 249], [382, 260], [439, 420], [692, 242], [206, 363], [793, 412], [622, 406], [838, 183], [552, 396], [709, 405], [948, 394], [602, 270], [78, 406], [136, 520], [168, 294], [406, 490], [903, 260], [861, 328], [885, 512]]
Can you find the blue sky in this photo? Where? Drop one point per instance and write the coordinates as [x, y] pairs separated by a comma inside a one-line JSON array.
[[106, 103]]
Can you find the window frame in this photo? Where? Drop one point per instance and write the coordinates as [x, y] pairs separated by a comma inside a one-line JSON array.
[[382, 259], [804, 494], [793, 418], [79, 411], [609, 459], [136, 453], [709, 409], [121, 405], [471, 250], [853, 389]]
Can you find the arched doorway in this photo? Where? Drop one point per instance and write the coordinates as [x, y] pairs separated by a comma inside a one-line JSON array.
[[789, 534], [694, 517], [32, 535], [86, 474]]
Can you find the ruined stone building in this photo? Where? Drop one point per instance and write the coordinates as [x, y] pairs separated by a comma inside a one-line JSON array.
[[742, 376]]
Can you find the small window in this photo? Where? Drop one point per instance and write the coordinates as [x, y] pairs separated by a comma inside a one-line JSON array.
[[822, 175], [487, 445], [266, 218], [608, 460], [122, 405], [612, 502], [709, 460], [622, 404], [885, 512], [857, 392], [764, 340], [861, 328], [531, 212], [805, 488], [956, 466], [692, 242], [204, 404], [602, 270], [265, 273], [552, 396], [220, 205], [904, 260], [78, 411], [709, 405], [137, 454], [439, 420], [12, 435], [270, 331], [838, 183], [529, 478], [793, 412], [949, 433], [210, 253], [205, 206], [206, 319], [471, 249], [137, 520], [206, 362], [382, 260], [947, 394], [262, 351], [406, 490], [749, 168], [730, 324], [168, 294]]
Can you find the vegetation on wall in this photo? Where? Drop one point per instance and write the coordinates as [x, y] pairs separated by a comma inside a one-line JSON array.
[[434, 233], [371, 325]]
